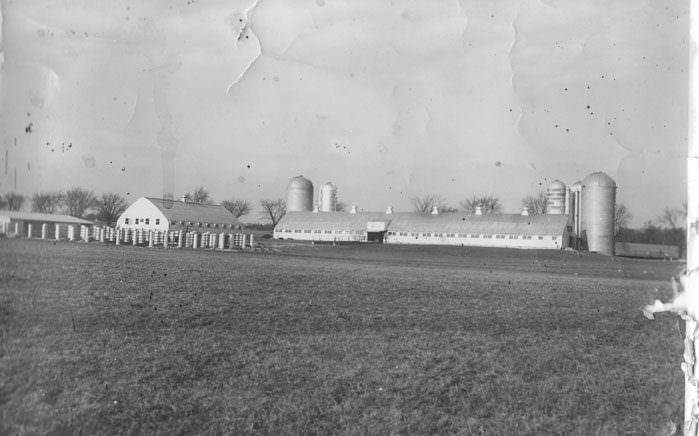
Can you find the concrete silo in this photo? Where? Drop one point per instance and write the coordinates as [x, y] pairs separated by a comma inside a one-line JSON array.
[[597, 207], [556, 198], [299, 195], [575, 206], [328, 197]]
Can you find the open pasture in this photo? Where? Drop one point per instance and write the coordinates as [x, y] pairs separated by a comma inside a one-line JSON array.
[[301, 339]]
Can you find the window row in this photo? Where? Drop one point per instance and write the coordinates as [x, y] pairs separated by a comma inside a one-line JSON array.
[[142, 221], [465, 235], [146, 221]]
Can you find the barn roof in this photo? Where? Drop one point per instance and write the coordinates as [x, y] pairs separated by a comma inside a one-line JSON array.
[[448, 222], [44, 217], [175, 210]]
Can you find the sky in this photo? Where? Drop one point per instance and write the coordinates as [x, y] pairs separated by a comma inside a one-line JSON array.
[[387, 99]]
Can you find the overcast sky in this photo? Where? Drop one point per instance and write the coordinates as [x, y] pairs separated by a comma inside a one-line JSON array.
[[387, 99]]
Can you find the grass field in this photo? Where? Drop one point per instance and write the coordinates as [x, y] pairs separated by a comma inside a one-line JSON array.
[[301, 339]]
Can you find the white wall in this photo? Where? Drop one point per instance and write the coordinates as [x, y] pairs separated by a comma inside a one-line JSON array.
[[143, 209], [546, 241], [517, 241]]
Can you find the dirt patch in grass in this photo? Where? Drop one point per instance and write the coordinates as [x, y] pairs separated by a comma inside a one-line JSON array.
[[319, 340]]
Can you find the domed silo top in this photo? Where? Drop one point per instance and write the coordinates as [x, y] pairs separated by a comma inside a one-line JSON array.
[[599, 179], [299, 195], [557, 184], [300, 182]]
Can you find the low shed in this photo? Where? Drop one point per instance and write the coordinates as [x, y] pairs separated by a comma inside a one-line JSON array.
[[20, 223]]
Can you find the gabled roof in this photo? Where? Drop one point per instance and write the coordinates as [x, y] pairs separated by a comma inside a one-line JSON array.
[[45, 217], [455, 222], [175, 210]]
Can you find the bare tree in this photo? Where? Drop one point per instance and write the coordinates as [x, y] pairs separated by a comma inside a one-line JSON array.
[[622, 217], [340, 206], [237, 207], [47, 202], [488, 203], [426, 203], [273, 209], [536, 204], [673, 218], [109, 207], [77, 201], [200, 196], [14, 200]]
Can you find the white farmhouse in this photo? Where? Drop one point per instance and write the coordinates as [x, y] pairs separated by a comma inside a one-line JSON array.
[[167, 215]]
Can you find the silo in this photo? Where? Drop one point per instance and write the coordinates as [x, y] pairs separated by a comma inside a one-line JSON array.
[[328, 197], [299, 195], [556, 198], [575, 205], [597, 223]]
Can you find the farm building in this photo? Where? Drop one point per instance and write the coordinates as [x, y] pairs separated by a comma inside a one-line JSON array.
[[501, 230], [159, 214], [36, 225], [580, 216]]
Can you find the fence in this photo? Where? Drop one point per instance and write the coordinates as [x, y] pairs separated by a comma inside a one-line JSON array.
[[144, 238]]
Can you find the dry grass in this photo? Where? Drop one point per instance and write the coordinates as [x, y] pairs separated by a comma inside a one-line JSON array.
[[319, 340]]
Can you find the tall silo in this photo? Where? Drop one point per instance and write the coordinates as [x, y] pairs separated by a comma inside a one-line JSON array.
[[299, 195], [556, 198], [575, 205], [597, 223], [328, 197]]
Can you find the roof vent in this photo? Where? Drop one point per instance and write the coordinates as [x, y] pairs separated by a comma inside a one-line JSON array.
[[353, 209], [479, 209], [435, 210], [525, 210], [389, 210]]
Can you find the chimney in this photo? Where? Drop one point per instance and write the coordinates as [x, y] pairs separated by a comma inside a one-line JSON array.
[[389, 210], [479, 209], [525, 210], [353, 209], [435, 210]]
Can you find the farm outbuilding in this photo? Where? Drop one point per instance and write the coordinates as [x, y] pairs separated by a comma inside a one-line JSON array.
[[493, 230], [159, 214], [37, 225]]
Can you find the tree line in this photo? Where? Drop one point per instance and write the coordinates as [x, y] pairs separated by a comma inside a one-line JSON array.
[[668, 228], [108, 206]]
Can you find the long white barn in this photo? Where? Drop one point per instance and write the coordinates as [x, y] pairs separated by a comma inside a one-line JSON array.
[[492, 230], [159, 214]]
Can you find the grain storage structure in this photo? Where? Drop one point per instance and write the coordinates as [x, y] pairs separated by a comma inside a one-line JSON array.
[[556, 198], [299, 195], [597, 218], [328, 197]]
